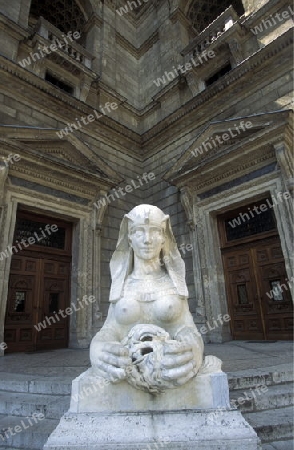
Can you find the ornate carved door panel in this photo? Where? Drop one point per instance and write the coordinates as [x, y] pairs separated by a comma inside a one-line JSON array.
[[21, 311], [242, 293], [53, 301], [38, 290], [275, 296]]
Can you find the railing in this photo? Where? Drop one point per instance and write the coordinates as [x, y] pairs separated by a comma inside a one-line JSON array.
[[63, 43], [208, 36]]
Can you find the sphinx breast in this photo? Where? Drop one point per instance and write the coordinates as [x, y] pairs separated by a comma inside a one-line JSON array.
[[127, 311], [168, 308]]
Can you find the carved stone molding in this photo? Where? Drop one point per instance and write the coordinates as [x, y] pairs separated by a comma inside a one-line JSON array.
[[236, 51], [99, 212], [137, 52], [3, 177], [187, 202], [285, 160]]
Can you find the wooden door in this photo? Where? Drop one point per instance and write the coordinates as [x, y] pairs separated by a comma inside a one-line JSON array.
[[53, 300], [274, 290], [258, 290], [38, 297], [242, 294], [21, 310], [38, 293]]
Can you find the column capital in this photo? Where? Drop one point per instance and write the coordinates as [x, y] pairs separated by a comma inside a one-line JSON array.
[[100, 208], [4, 169], [187, 202]]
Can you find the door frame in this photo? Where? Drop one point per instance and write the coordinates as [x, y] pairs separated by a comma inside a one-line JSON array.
[[205, 213], [82, 282]]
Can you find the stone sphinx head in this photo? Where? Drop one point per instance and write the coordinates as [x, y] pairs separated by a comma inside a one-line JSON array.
[[149, 219]]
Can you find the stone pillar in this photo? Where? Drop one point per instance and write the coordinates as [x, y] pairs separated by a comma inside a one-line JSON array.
[[94, 41], [236, 52], [81, 320], [25, 6], [7, 225], [187, 202], [98, 216], [195, 83], [284, 209]]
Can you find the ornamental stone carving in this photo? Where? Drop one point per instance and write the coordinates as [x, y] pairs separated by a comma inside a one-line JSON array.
[[149, 338]]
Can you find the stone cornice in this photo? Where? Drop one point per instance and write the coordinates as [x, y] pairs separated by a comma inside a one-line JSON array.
[[178, 16], [70, 158], [94, 20], [137, 52], [252, 163], [254, 149], [262, 12], [268, 126]]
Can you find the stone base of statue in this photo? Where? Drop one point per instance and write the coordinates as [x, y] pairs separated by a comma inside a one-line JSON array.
[[106, 416]]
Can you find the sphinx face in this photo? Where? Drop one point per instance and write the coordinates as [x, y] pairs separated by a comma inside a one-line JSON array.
[[146, 241]]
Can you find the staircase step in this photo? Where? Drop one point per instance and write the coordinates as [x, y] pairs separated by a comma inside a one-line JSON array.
[[35, 385], [22, 434], [26, 404], [279, 445], [12, 448], [267, 397], [273, 424], [250, 378]]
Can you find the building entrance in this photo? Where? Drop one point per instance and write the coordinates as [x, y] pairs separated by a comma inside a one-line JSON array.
[[258, 290], [39, 285]]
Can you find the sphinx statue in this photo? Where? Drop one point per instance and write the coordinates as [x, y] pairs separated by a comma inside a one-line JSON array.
[[149, 338], [149, 383]]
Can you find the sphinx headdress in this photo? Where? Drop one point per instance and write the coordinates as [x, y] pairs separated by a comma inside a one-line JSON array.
[[121, 264]]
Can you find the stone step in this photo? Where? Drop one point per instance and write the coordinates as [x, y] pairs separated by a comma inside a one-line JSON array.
[[250, 378], [279, 445], [23, 435], [26, 404], [273, 424], [269, 397], [12, 448], [35, 385]]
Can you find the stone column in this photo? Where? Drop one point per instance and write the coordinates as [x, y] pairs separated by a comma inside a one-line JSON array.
[[195, 83], [235, 49], [7, 224], [284, 209], [94, 40], [98, 216], [187, 202]]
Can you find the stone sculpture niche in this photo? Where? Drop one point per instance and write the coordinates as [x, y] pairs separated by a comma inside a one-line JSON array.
[[149, 382]]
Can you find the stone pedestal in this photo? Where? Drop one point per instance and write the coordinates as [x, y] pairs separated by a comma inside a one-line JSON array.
[[152, 430], [91, 394], [105, 416]]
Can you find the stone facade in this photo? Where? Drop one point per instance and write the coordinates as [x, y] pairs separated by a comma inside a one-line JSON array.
[[154, 128]]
